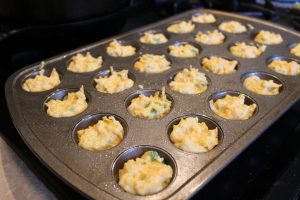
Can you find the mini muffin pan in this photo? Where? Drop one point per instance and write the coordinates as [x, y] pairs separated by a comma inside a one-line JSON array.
[[95, 174]]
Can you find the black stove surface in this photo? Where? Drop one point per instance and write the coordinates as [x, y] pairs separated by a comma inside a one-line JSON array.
[[268, 169]]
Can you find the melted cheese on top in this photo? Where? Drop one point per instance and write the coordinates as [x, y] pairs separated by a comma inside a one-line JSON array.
[[219, 65], [153, 107], [116, 49], [72, 104], [193, 136], [153, 38], [181, 27], [80, 63], [296, 50], [41, 82], [285, 67], [150, 63], [116, 82], [259, 86], [183, 51], [233, 107], [105, 134], [244, 50], [145, 175], [267, 37], [210, 37], [233, 27], [189, 81], [204, 18]]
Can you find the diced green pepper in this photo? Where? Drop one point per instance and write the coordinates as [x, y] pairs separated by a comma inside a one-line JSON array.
[[154, 111], [154, 155]]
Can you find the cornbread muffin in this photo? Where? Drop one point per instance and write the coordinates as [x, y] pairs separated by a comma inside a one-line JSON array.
[[145, 175], [116, 49], [153, 38], [232, 27], [219, 65], [41, 82], [267, 37], [105, 134], [204, 18], [71, 105], [193, 136], [244, 50], [183, 51], [263, 87], [87, 63], [150, 63], [153, 107], [189, 81], [233, 107], [285, 67], [296, 50], [210, 37], [116, 82], [181, 27]]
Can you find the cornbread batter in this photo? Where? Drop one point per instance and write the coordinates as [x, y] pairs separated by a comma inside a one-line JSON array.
[[285, 67], [183, 51], [233, 107], [116, 82], [204, 18], [189, 81], [87, 63], [72, 104], [105, 134], [153, 107], [244, 50], [181, 27], [210, 37], [150, 63], [267, 37], [259, 86], [145, 175], [153, 38], [296, 50], [41, 82], [233, 27], [219, 65], [193, 136], [116, 49]]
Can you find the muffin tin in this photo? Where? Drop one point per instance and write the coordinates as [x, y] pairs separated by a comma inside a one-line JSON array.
[[95, 174]]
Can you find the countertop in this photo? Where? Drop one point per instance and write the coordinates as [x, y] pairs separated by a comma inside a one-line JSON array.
[[17, 180]]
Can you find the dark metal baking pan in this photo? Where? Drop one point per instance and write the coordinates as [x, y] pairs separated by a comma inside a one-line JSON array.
[[94, 173]]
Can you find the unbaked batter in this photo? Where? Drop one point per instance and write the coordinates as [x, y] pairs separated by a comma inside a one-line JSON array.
[[244, 50], [71, 105], [153, 107], [183, 51], [150, 63], [193, 136], [116, 49], [285, 67], [219, 65], [105, 134], [145, 175], [189, 81], [260, 86], [181, 27], [233, 107], [210, 37], [41, 82], [80, 63], [117, 81]]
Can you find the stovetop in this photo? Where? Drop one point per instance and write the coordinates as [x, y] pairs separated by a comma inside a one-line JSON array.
[[268, 169]]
